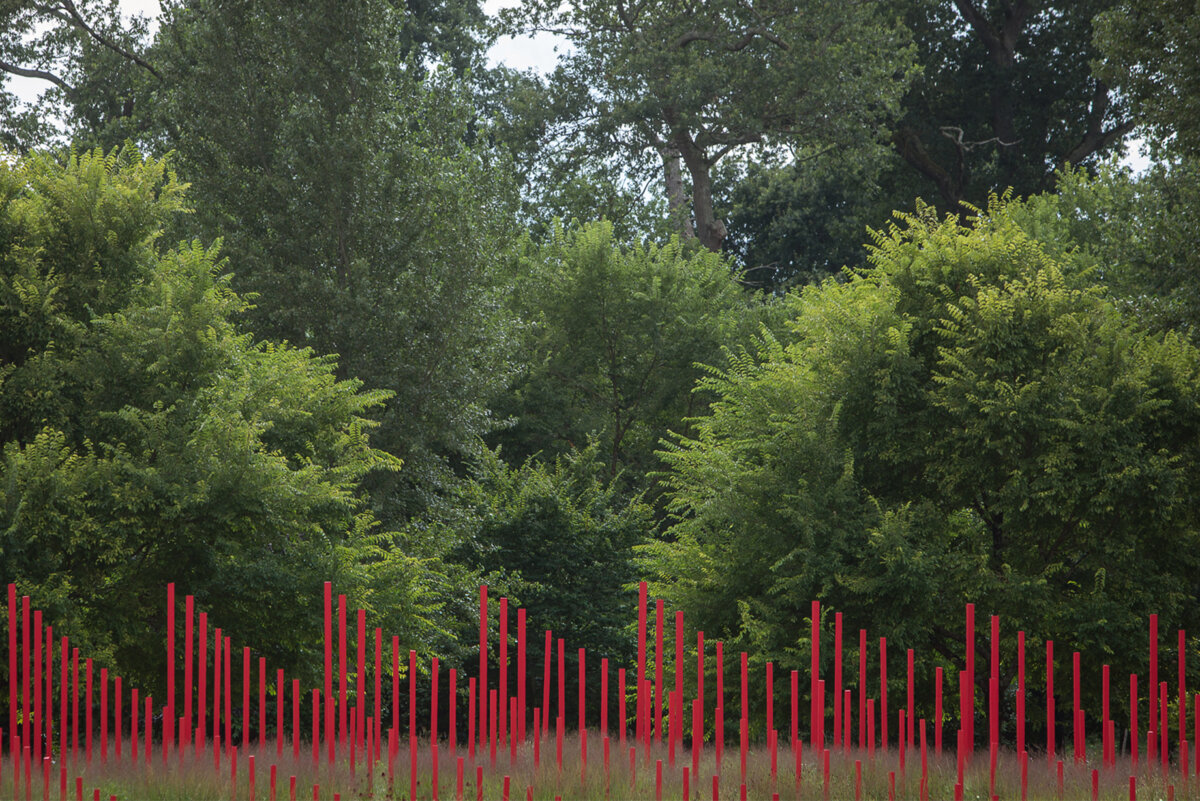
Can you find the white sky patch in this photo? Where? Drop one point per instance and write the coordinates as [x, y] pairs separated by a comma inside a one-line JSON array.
[[538, 52]]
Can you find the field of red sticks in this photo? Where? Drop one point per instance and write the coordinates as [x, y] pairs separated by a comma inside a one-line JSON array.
[[382, 726]]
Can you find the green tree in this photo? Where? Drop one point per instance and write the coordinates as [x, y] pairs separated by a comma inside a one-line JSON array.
[[691, 83], [353, 207], [612, 338], [146, 440], [967, 420], [1147, 48]]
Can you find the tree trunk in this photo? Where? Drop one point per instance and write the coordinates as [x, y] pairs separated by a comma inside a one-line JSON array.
[[709, 230], [677, 203]]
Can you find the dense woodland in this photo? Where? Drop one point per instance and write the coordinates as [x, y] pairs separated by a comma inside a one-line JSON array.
[[762, 302]]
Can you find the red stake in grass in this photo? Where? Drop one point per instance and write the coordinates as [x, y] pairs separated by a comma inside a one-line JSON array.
[[796, 709], [329, 670], [814, 672], [657, 714], [88, 713], [1050, 701], [719, 742], [970, 697], [1182, 685], [188, 651], [1104, 687], [641, 663], [1020, 692], [502, 696], [316, 725], [167, 730], [604, 697], [452, 714], [245, 698], [482, 683], [377, 732], [678, 671], [770, 697], [546, 685], [520, 679], [471, 717], [862, 689], [837, 678], [582, 724], [622, 708], [433, 699], [295, 718], [1077, 730]]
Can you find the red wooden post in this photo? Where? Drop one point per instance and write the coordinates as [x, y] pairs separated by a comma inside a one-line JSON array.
[[188, 652], [88, 713], [262, 701], [795, 709], [482, 682], [103, 715], [641, 664], [1020, 692], [117, 714], [74, 705], [678, 665], [720, 712], [862, 689], [378, 731], [168, 730], [815, 671], [342, 712], [1075, 681], [62, 702], [278, 712], [604, 697], [1104, 686], [296, 719], [1182, 685], [202, 678], [412, 700], [471, 717], [700, 674], [970, 705], [329, 668], [521, 683], [395, 687], [12, 668], [228, 653], [908, 735], [770, 697], [837, 678], [502, 695], [316, 726], [1050, 700], [658, 670], [546, 686], [148, 728], [562, 680]]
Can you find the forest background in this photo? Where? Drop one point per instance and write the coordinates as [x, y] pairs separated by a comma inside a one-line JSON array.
[[763, 302]]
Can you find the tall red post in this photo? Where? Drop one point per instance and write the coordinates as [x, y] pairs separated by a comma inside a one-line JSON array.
[[546, 686], [604, 697], [188, 652], [912, 714], [12, 668], [1182, 685], [202, 678], [329, 668], [1020, 692], [169, 730], [452, 713], [862, 689], [770, 697], [678, 662], [482, 681], [641, 665], [814, 671], [433, 701], [970, 700], [246, 698], [216, 710], [837, 678], [1075, 697], [938, 677], [360, 677], [700, 674], [1050, 700], [1133, 719], [378, 692], [521, 683], [503, 659], [658, 670]]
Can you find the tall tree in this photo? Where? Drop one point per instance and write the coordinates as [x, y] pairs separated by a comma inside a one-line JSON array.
[[1006, 95], [689, 83], [356, 212]]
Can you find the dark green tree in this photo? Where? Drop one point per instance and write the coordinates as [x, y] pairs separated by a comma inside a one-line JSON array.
[[970, 419], [144, 439]]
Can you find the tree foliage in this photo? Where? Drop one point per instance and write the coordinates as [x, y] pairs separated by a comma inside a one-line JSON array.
[[146, 440], [967, 420]]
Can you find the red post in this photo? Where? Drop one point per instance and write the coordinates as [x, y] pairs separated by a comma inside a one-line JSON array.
[[63, 725], [228, 653], [546, 685], [795, 709], [471, 717], [604, 697], [700, 674], [170, 663], [316, 727], [502, 696], [262, 701], [1104, 686], [216, 711], [12, 668], [562, 680], [862, 689], [1075, 681], [451, 717], [202, 678], [279, 712], [296, 719], [582, 708], [970, 722], [1020, 692], [329, 669], [395, 687], [521, 676], [1182, 685], [117, 714], [744, 708], [482, 683], [678, 662], [837, 678], [720, 739], [1050, 700], [103, 715], [188, 651], [658, 670], [622, 722], [641, 664], [814, 671], [88, 713], [770, 697]]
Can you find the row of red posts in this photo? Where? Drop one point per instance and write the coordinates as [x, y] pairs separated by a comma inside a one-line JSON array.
[[497, 710]]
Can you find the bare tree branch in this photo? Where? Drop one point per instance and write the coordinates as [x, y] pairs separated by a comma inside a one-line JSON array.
[[25, 72], [81, 23]]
